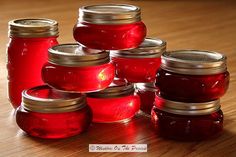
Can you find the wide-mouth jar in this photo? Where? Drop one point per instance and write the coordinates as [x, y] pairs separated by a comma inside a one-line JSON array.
[[187, 121], [117, 103], [139, 65], [49, 113], [74, 68], [192, 75], [110, 26]]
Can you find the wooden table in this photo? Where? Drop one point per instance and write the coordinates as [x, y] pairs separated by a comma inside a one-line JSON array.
[[184, 24]]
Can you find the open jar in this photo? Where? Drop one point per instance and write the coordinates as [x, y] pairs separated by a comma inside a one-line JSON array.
[[117, 103], [110, 27], [74, 68], [139, 64], [48, 113], [187, 121], [192, 76]]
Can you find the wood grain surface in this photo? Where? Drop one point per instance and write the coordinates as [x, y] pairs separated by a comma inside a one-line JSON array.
[[184, 24]]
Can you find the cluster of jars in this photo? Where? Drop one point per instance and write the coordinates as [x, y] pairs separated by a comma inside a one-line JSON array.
[[108, 75]]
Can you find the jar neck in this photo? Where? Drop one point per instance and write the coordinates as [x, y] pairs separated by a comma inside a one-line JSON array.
[[13, 38]]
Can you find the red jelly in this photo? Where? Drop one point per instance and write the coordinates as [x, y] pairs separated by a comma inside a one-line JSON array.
[[27, 52], [47, 113], [110, 27], [139, 64], [193, 76], [117, 103], [147, 93], [187, 121], [72, 67]]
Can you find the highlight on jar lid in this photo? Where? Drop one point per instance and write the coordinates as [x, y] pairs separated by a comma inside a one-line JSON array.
[[76, 55], [149, 48], [45, 99], [182, 108], [150, 86], [193, 62], [118, 88], [32, 28], [110, 14]]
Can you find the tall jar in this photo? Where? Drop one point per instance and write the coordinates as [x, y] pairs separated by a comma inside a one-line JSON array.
[[110, 27], [27, 52]]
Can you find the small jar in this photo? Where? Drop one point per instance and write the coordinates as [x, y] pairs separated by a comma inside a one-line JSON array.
[[187, 121], [48, 113], [74, 68], [27, 52], [110, 27], [117, 103], [147, 93], [192, 76], [139, 65]]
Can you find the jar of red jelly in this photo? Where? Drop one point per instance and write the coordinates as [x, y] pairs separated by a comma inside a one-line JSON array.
[[110, 27], [192, 75], [187, 121], [74, 68], [48, 113], [27, 52], [147, 93], [117, 103], [139, 64]]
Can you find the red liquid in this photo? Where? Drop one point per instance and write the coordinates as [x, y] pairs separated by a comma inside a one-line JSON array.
[[182, 127], [137, 69], [79, 79], [147, 100], [110, 37], [113, 109], [54, 125], [192, 88], [26, 57]]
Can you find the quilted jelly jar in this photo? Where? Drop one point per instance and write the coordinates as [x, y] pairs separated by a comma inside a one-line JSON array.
[[147, 93], [187, 121], [48, 113], [110, 27], [74, 68], [117, 103], [27, 52], [139, 64], [193, 76]]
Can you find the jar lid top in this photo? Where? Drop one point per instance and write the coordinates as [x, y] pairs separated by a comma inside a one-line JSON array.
[[76, 55], [33, 28], [149, 48], [193, 62], [118, 88], [183, 108], [110, 14], [146, 86], [48, 100]]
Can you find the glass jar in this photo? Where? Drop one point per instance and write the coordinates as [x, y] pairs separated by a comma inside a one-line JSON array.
[[147, 93], [187, 121], [193, 76], [27, 52], [110, 27], [72, 67], [48, 113], [117, 103], [139, 65]]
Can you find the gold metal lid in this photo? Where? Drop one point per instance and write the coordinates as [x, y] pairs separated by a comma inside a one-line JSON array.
[[45, 99], [149, 48], [193, 62], [150, 86], [33, 28], [72, 55], [118, 88], [110, 14], [182, 108]]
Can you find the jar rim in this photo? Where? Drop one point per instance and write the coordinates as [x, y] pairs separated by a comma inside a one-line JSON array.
[[110, 14], [75, 55], [45, 99], [146, 86], [194, 62]]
